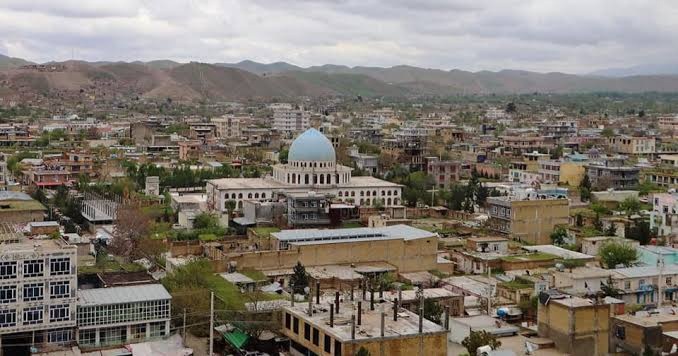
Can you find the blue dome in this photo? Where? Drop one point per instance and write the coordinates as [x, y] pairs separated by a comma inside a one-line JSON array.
[[311, 146]]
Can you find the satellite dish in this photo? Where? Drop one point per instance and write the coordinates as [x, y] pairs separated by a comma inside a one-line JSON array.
[[674, 349]]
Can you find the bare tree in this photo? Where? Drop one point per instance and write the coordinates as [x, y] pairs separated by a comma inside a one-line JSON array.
[[131, 225]]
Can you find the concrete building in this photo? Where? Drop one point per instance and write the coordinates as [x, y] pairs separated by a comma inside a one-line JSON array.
[[304, 210], [119, 315], [612, 173], [312, 166], [664, 215], [633, 333], [38, 280], [18, 207], [444, 173], [577, 326], [581, 281], [591, 245], [640, 285], [404, 248], [365, 162], [632, 145], [291, 121], [228, 126], [531, 221], [343, 328]]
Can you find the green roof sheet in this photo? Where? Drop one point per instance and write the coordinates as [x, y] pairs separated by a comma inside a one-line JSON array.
[[236, 338]]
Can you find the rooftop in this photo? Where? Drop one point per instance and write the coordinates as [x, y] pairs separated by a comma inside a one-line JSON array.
[[119, 295], [647, 320], [644, 271], [559, 251], [406, 326], [370, 233]]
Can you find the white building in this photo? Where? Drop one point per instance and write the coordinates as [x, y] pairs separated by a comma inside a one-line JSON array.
[[664, 216], [291, 121], [38, 280], [119, 315], [311, 166]]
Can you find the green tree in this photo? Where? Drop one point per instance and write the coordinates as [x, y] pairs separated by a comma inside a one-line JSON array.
[[362, 352], [433, 311], [609, 289], [480, 338], [559, 235], [631, 206], [597, 223], [614, 253], [585, 189], [607, 132], [282, 155], [640, 231], [299, 279], [205, 221], [510, 108]]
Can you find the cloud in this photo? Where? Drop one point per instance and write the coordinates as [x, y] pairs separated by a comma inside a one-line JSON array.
[[544, 35]]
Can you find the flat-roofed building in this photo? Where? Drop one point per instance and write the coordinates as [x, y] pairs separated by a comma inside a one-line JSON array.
[[406, 248], [530, 220], [632, 145], [38, 281], [577, 326], [120, 315], [632, 334], [320, 333]]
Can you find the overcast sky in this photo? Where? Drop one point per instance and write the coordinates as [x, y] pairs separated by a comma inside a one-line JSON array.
[[575, 36]]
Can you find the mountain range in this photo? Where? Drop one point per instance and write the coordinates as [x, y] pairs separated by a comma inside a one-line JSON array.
[[162, 79]]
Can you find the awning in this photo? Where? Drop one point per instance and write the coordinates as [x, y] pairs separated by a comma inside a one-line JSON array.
[[236, 338]]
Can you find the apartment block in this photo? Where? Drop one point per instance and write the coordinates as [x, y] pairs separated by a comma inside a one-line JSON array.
[[291, 121], [38, 280], [529, 220]]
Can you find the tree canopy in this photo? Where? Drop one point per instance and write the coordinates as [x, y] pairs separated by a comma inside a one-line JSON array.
[[613, 254]]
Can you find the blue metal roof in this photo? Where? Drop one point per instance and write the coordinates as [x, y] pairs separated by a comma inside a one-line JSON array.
[[311, 145]]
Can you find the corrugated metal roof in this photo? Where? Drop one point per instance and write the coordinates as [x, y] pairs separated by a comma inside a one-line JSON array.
[[118, 295], [395, 231]]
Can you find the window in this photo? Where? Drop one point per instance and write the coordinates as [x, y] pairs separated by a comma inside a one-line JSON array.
[[33, 291], [59, 266], [620, 332], [668, 281], [59, 289], [295, 325], [87, 337], [59, 336], [316, 337], [307, 331], [7, 270], [7, 318], [7, 294], [33, 268], [59, 313], [33, 315], [327, 344], [158, 329], [641, 282], [337, 348], [139, 331], [627, 285], [288, 321]]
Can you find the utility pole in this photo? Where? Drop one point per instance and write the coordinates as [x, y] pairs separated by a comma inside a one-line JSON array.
[[184, 327], [211, 322], [660, 261]]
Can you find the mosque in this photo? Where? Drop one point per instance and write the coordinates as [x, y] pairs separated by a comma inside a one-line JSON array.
[[311, 167]]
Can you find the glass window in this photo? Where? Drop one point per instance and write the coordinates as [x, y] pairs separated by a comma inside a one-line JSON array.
[[33, 315], [7, 318], [139, 331], [8, 270], [7, 294], [33, 268], [59, 266], [33, 291], [59, 313], [307, 331], [59, 336], [158, 329], [295, 325], [61, 289], [327, 344]]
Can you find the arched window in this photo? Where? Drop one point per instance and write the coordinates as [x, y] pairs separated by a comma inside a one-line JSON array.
[[383, 193], [329, 177], [256, 195], [306, 179], [249, 196], [288, 178], [396, 201], [353, 193], [362, 193], [322, 179], [388, 193], [374, 193], [340, 193], [233, 196], [294, 179], [263, 195], [388, 201], [368, 193], [240, 204], [239, 195], [346, 193]]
